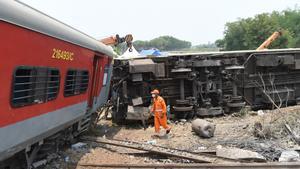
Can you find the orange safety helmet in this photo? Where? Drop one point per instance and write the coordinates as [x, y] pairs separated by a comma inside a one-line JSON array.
[[155, 91]]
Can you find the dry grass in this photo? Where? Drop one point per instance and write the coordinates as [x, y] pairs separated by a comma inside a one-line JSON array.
[[273, 124]]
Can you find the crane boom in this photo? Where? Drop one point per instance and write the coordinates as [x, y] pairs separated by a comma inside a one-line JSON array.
[[267, 42]]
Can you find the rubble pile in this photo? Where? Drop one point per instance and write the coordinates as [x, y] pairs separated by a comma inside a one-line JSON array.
[[268, 149]]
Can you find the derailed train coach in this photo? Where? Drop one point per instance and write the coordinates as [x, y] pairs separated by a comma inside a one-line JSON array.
[[53, 78], [206, 84]]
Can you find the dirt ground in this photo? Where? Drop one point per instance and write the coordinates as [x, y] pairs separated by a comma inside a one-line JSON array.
[[235, 130]]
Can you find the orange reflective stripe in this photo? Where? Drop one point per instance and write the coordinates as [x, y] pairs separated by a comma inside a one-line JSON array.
[[159, 105]]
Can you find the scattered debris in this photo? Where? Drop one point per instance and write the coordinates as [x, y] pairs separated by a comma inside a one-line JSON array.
[[67, 159], [79, 146], [152, 142], [182, 120], [57, 166], [203, 128], [236, 153], [252, 113], [289, 156], [201, 148], [39, 163], [269, 149], [52, 156], [260, 113], [295, 137], [245, 126], [262, 131]]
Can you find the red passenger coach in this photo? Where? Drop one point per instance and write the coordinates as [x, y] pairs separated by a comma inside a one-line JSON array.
[[52, 78]]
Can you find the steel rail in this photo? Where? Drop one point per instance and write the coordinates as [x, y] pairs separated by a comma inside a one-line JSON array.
[[292, 165], [211, 152], [200, 157]]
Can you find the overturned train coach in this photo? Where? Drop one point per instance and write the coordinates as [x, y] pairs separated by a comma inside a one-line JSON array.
[[205, 84], [53, 78]]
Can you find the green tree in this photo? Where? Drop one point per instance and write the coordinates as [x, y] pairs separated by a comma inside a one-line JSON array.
[[249, 33], [290, 21], [163, 43]]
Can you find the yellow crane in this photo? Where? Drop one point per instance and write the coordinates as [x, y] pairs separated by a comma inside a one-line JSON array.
[[267, 42]]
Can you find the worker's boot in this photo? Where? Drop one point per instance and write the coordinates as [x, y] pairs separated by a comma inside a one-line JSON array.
[[168, 131]]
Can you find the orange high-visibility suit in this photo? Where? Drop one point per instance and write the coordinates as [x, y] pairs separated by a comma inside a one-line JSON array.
[[160, 114]]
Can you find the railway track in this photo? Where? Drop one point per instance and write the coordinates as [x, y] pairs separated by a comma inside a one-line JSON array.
[[199, 166], [199, 157], [203, 160]]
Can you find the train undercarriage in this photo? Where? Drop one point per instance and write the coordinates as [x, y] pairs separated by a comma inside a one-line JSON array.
[[206, 84], [38, 151]]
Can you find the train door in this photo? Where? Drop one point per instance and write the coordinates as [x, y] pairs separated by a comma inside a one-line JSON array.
[[97, 74]]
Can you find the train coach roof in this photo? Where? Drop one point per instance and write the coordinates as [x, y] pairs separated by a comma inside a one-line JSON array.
[[237, 52], [221, 53], [20, 14]]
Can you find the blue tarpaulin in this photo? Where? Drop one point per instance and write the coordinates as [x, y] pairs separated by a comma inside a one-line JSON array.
[[150, 52]]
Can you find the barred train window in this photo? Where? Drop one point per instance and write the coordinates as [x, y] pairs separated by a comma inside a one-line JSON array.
[[76, 82], [34, 85]]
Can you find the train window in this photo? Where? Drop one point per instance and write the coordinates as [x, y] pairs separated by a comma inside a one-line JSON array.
[[70, 83], [105, 75], [53, 84], [76, 82], [84, 81], [34, 85]]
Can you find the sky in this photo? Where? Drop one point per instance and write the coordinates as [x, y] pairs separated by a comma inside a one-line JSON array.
[[197, 21]]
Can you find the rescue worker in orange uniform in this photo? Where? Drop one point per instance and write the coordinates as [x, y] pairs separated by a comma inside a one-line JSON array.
[[160, 112]]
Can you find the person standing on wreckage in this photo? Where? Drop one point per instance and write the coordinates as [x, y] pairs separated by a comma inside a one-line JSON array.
[[159, 109]]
